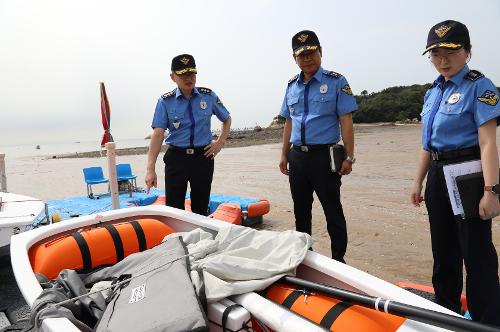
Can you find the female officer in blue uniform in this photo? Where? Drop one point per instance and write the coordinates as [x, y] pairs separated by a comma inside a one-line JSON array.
[[459, 122], [186, 113], [318, 107]]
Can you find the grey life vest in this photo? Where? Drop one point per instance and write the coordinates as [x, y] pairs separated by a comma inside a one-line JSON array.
[[160, 295]]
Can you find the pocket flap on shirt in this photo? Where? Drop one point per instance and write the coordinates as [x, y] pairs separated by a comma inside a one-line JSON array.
[[292, 100], [323, 98], [451, 109]]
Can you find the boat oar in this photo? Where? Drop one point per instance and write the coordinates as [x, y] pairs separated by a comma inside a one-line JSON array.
[[396, 308]]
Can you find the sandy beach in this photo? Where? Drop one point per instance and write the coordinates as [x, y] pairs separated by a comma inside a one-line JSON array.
[[388, 237]]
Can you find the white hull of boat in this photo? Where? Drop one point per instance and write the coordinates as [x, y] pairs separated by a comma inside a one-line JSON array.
[[17, 213], [315, 267]]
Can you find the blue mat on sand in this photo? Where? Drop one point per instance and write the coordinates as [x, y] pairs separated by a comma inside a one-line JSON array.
[[82, 205]]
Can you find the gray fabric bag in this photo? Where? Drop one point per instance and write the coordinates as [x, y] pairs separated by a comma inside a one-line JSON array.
[[160, 295]]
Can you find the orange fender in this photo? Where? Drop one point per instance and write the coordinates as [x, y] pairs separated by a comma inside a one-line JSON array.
[[429, 289], [228, 212], [89, 248], [259, 208], [161, 200], [332, 313]]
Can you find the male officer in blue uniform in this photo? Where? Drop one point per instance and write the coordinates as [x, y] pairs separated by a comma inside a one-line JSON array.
[[186, 113], [459, 123], [318, 107]]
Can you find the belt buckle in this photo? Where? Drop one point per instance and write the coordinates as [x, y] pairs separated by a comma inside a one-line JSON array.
[[304, 148], [189, 151]]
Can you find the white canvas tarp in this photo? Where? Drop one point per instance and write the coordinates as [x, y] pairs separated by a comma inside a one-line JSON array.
[[240, 259]]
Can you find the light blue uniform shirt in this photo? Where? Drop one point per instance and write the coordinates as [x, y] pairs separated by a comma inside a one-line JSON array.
[[187, 121], [454, 110], [315, 107]]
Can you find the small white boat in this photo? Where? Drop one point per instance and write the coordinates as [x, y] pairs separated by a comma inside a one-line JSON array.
[[315, 268], [17, 213]]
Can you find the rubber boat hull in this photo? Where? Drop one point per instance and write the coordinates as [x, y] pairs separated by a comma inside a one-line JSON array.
[[315, 267]]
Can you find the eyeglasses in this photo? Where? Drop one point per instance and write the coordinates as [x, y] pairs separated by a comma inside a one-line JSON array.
[[434, 57]]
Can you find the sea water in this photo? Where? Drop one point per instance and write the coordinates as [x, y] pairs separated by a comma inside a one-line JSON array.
[[52, 149]]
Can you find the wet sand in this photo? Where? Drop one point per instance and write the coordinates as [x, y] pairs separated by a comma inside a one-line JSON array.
[[388, 237]]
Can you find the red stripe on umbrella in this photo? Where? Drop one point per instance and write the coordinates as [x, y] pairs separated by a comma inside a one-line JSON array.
[[106, 116]]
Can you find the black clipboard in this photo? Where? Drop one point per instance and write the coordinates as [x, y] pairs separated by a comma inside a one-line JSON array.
[[337, 157], [471, 190]]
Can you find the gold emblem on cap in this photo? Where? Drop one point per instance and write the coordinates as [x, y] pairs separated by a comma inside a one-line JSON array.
[[303, 37], [442, 31], [185, 60]]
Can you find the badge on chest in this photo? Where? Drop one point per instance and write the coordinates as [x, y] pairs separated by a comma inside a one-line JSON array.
[[176, 124], [203, 105], [323, 88], [454, 98]]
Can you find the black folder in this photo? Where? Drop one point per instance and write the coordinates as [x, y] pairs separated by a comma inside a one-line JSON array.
[[471, 190], [337, 157]]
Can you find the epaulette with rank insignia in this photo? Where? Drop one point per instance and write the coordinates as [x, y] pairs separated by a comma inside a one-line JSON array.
[[332, 73], [473, 75], [293, 79], [169, 94], [206, 91]]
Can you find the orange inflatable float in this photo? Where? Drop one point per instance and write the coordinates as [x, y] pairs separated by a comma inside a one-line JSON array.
[[238, 214], [331, 313], [87, 249], [427, 292]]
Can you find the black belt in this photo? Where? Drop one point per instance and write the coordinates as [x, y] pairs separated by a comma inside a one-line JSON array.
[[454, 154], [310, 148], [193, 150]]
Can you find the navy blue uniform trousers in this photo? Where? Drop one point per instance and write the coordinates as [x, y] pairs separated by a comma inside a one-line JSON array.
[[310, 172], [456, 241], [181, 168]]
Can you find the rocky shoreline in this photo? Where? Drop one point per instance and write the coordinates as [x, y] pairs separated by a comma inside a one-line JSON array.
[[236, 139]]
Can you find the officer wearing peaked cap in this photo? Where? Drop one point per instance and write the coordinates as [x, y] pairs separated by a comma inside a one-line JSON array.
[[459, 122], [318, 107], [185, 114]]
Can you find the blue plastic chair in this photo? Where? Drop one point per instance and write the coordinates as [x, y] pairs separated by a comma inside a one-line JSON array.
[[93, 175], [124, 173]]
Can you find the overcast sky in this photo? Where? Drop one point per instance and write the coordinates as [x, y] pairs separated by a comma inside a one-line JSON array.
[[53, 53]]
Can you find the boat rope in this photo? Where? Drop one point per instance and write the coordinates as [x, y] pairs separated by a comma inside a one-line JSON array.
[[123, 282]]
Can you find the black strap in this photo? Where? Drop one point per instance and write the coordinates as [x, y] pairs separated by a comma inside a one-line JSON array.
[[291, 298], [202, 295], [225, 314], [333, 314], [117, 240], [84, 250], [140, 235]]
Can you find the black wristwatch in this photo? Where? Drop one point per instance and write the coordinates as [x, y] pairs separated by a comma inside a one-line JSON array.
[[494, 189]]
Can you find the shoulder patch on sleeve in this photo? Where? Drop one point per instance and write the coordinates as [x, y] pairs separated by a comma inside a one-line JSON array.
[[219, 101], [168, 94], [332, 74], [347, 90], [489, 98], [473, 75], [206, 91], [293, 79]]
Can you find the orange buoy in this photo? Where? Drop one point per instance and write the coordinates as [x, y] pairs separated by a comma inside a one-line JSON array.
[[228, 212], [259, 208], [89, 248], [332, 313]]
